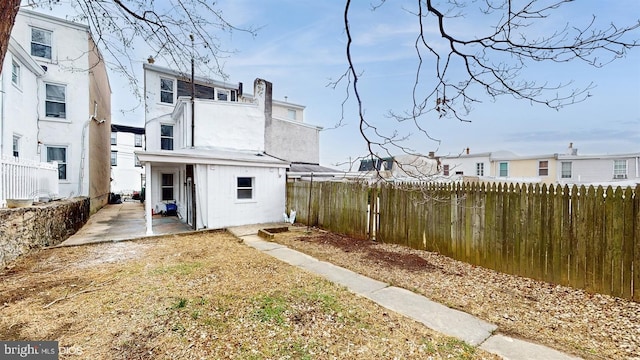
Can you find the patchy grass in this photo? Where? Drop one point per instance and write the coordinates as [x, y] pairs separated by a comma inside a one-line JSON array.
[[200, 296]]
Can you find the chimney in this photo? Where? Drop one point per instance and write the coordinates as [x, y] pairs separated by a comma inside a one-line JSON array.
[[571, 150], [467, 151], [432, 154]]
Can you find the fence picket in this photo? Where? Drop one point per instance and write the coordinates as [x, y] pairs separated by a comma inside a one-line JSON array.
[[582, 237]]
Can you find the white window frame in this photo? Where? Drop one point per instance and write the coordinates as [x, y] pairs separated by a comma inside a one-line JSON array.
[[46, 100], [500, 169], [15, 74], [172, 137], [114, 138], [620, 169], [137, 140], [61, 164], [172, 91], [480, 169], [292, 114], [542, 169], [114, 157], [164, 186], [50, 45], [566, 173], [446, 169], [223, 92], [243, 189], [16, 145]]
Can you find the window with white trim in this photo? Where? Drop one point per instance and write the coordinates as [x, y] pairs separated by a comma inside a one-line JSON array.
[[166, 91], [445, 170], [55, 101], [59, 154], [114, 138], [16, 145], [166, 137], [41, 43], [15, 73], [292, 114], [245, 188], [137, 140], [167, 187], [114, 158], [543, 168], [503, 169], [223, 94], [565, 170], [619, 169], [480, 169]]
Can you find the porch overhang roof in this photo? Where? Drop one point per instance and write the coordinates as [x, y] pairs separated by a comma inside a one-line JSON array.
[[210, 157]]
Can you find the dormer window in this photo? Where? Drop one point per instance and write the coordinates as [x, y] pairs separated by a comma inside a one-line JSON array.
[[292, 114], [41, 43]]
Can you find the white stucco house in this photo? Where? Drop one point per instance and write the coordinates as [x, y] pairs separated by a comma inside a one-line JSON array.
[[222, 157], [56, 103], [127, 173]]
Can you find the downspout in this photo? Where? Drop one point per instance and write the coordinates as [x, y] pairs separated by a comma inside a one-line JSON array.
[[193, 96]]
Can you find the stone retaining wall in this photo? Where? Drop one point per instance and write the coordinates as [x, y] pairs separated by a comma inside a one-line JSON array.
[[24, 229]]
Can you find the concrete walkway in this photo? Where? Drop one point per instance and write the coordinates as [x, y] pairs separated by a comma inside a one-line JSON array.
[[436, 316], [125, 221], [117, 222]]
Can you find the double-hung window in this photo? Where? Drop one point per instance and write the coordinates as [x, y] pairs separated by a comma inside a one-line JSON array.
[[55, 101], [166, 91], [503, 169], [565, 170], [619, 169], [445, 170], [479, 169], [245, 188], [41, 43], [16, 146], [59, 154], [15, 74], [167, 187], [114, 138], [166, 137], [114, 158], [137, 140], [292, 114], [543, 168]]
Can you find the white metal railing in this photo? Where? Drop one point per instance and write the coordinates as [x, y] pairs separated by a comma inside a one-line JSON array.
[[27, 179]]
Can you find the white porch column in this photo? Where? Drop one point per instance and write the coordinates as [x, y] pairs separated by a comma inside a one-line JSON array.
[[148, 198]]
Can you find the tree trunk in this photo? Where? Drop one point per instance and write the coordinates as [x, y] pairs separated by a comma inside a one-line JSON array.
[[8, 11]]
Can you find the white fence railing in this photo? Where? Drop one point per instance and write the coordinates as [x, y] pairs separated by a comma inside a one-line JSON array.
[[27, 179]]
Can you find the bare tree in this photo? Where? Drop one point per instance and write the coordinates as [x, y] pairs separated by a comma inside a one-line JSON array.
[[490, 62], [174, 30], [8, 12]]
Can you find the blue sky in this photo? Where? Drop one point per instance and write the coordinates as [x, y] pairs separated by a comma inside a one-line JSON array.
[[300, 48]]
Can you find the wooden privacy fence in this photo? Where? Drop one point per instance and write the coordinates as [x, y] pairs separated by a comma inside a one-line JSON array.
[[587, 238], [339, 207]]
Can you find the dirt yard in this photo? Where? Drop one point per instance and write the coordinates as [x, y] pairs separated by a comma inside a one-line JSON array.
[[208, 296], [587, 325]]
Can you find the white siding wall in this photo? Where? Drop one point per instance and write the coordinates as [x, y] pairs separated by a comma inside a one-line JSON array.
[[467, 165], [228, 125], [596, 170], [225, 209], [20, 110], [126, 176], [68, 66]]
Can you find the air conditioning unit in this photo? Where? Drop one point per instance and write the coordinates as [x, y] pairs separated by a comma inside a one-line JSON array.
[[620, 176]]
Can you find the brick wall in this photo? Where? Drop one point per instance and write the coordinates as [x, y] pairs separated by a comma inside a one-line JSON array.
[[24, 229]]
